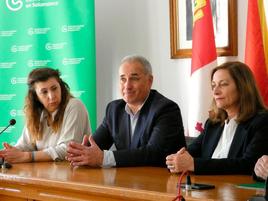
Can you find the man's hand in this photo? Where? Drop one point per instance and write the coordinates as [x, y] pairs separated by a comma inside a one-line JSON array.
[[81, 154]]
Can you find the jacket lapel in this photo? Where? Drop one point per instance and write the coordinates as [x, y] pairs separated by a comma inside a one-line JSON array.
[[138, 131], [238, 140], [142, 121], [213, 141], [123, 141]]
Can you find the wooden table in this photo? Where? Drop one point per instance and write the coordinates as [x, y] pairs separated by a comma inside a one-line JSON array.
[[58, 182]]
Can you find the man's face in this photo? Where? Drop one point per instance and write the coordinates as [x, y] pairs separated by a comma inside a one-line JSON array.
[[135, 85]]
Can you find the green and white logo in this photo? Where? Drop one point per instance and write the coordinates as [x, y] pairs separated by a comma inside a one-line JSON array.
[[37, 33], [14, 5]]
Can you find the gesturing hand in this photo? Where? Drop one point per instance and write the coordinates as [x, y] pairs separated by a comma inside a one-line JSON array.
[[81, 154]]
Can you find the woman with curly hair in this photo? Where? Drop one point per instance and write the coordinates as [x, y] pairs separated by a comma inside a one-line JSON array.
[[53, 118]]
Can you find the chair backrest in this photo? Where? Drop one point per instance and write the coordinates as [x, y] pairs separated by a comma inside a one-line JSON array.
[[189, 140]]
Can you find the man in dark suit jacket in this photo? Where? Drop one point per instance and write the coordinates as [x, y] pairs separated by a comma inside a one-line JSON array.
[[144, 126]]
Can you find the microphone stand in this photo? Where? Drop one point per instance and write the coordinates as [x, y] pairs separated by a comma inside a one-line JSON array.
[[2, 161]]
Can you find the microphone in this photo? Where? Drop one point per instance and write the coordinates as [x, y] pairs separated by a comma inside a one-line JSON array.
[[11, 123], [195, 186], [188, 185], [4, 164]]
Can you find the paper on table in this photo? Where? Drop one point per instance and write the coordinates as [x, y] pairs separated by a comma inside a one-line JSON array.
[[255, 185]]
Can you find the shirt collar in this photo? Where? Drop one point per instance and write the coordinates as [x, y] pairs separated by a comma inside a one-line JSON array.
[[231, 121], [44, 115], [128, 110]]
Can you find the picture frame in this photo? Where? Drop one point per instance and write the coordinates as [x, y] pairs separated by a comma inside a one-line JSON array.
[[180, 36]]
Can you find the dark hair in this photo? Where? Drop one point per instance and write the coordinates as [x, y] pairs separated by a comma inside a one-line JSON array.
[[250, 101], [33, 107]]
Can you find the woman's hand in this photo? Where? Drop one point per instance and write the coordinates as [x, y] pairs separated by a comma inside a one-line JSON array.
[[13, 155], [180, 162], [261, 167]]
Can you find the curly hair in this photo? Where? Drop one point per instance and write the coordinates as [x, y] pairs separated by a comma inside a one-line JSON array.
[[33, 107]]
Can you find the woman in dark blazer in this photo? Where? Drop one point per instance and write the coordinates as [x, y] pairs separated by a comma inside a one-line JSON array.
[[236, 133]]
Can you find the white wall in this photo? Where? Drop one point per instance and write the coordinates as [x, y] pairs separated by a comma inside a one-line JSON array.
[[142, 27]]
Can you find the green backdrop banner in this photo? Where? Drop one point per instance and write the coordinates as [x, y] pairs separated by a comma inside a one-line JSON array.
[[37, 33]]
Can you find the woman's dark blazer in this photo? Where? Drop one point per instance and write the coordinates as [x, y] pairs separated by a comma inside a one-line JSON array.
[[249, 143]]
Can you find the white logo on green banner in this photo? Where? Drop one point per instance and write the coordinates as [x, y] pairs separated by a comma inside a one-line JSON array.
[[14, 5], [38, 33]]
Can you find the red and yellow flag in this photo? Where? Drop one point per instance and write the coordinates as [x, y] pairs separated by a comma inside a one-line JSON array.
[[204, 59], [256, 54]]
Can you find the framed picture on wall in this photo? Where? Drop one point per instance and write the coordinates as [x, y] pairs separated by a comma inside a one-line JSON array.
[[224, 14]]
